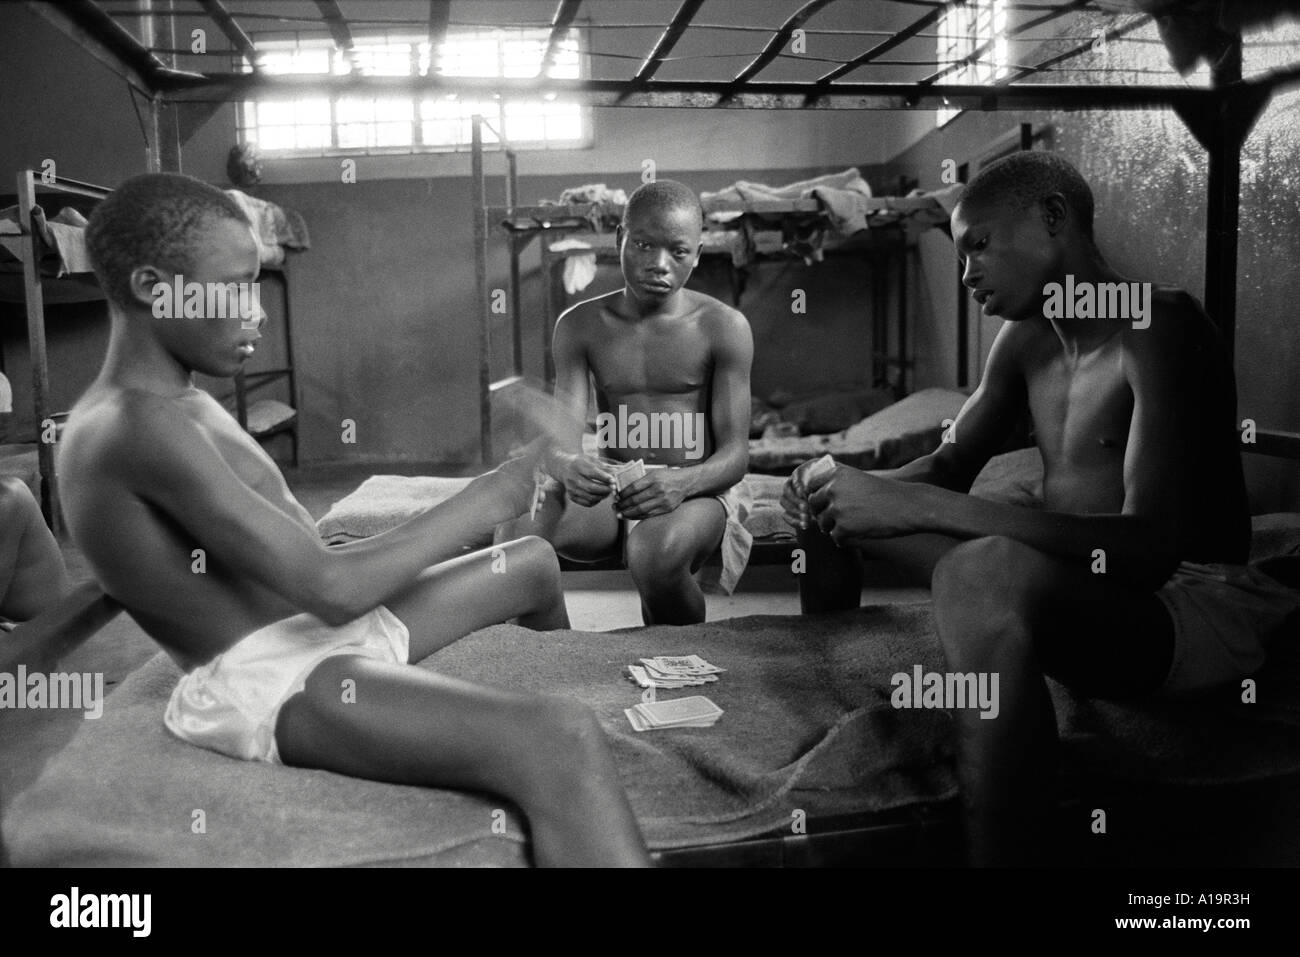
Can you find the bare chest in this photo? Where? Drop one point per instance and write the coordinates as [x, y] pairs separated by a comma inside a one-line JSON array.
[[1081, 410], [249, 461], [652, 359]]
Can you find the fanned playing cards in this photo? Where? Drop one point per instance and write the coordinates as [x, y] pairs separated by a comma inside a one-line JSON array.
[[625, 473], [669, 671]]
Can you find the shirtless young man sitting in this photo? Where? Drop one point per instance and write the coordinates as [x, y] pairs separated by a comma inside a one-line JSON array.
[[1131, 578], [273, 623], [671, 371]]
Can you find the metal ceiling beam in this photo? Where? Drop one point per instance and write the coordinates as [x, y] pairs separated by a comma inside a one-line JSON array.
[[233, 31], [439, 17], [882, 48], [565, 14], [667, 40], [339, 30], [104, 39], [755, 95], [1073, 52], [779, 39], [1073, 6]]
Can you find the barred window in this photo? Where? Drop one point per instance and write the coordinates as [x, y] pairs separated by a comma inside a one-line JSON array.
[[964, 28], [330, 124]]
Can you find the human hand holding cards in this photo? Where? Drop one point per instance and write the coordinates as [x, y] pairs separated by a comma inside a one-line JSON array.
[[625, 473], [645, 491], [805, 480], [814, 475]]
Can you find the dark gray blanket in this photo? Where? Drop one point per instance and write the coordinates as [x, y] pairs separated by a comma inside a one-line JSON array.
[[808, 726]]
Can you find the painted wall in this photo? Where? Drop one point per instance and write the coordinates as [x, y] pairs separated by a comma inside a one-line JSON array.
[[1149, 178], [56, 102], [385, 308]]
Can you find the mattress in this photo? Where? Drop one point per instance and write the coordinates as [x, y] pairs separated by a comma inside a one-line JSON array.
[[894, 436]]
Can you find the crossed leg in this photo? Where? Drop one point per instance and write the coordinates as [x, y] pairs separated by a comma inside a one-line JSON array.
[[1002, 607], [407, 725]]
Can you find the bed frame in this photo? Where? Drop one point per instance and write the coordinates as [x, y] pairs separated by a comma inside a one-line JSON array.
[[30, 184], [886, 252], [1219, 116]]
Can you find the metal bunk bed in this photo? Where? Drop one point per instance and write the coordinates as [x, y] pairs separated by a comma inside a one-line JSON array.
[[886, 250], [29, 184], [1219, 116], [37, 289]]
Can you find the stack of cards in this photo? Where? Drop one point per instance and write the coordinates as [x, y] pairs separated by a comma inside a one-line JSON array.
[[693, 712], [668, 671], [625, 473], [822, 466]]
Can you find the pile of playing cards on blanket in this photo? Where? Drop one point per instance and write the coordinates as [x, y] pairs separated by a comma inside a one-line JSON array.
[[693, 712], [668, 671]]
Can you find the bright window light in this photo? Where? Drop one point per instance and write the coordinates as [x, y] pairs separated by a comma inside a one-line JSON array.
[[964, 28], [417, 122]]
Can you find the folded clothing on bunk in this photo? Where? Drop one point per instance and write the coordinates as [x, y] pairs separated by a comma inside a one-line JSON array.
[[837, 192], [607, 204], [274, 227], [62, 240]]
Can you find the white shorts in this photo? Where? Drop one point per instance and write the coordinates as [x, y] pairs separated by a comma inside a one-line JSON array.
[[1224, 616], [231, 704]]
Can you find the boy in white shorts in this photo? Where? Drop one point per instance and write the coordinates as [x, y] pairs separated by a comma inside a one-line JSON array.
[[297, 653]]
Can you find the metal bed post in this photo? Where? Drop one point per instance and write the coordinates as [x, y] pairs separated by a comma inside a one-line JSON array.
[[1221, 126], [516, 314], [294, 399], [479, 200], [902, 387], [550, 295], [35, 301]]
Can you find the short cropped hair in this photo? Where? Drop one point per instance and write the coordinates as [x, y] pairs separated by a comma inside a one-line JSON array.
[[155, 219], [1025, 178], [661, 195]]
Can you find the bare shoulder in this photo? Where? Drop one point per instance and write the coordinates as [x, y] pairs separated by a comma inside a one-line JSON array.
[[1176, 331], [1019, 345], [121, 434], [582, 317], [715, 315]]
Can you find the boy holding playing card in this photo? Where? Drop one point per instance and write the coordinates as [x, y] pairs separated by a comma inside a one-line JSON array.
[[658, 353], [273, 627], [1131, 579]]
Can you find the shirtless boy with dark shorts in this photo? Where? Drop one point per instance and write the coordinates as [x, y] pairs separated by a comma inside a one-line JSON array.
[[671, 373], [271, 626], [1131, 579]]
